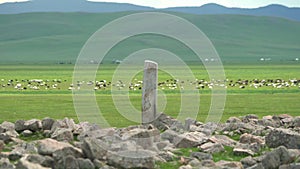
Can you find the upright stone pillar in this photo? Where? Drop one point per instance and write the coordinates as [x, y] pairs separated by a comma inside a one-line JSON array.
[[149, 92]]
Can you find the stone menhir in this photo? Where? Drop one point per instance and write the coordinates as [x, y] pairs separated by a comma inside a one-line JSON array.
[[149, 92]]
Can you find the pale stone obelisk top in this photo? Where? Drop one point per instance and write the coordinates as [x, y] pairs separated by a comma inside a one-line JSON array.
[[149, 92]]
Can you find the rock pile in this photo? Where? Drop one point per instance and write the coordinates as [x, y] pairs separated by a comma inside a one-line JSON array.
[[267, 143]]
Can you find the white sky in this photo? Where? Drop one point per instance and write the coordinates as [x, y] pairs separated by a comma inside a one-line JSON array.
[[175, 3]]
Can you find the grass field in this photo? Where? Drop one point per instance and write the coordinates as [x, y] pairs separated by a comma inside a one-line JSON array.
[[58, 103]]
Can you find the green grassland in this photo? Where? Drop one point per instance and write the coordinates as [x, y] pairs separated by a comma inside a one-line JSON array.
[[44, 38], [58, 103], [32, 45]]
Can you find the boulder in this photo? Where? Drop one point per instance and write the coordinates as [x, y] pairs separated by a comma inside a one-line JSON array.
[[62, 153], [131, 159], [222, 139], [63, 134], [26, 133], [276, 158], [169, 135], [242, 152], [2, 145], [48, 146], [249, 139], [7, 126], [248, 162], [24, 164], [5, 164], [70, 162], [212, 147], [45, 161], [283, 137], [290, 166], [94, 148], [229, 164], [190, 139], [201, 156], [47, 123], [85, 163]]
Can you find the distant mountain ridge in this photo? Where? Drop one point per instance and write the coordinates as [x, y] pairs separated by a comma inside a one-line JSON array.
[[270, 10], [104, 7]]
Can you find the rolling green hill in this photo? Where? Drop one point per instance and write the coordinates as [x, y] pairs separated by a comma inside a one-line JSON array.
[[37, 38]]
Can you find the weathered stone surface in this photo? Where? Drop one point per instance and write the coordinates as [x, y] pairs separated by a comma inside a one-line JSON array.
[[290, 166], [70, 162], [222, 139], [212, 147], [249, 139], [95, 148], [164, 122], [229, 164], [248, 162], [47, 123], [48, 146], [24, 164], [189, 140], [96, 133], [2, 144], [149, 92], [61, 153], [201, 156], [276, 158], [285, 137], [45, 161], [85, 163], [169, 135], [26, 133], [7, 126], [5, 164], [241, 152], [19, 125], [62, 134], [132, 159]]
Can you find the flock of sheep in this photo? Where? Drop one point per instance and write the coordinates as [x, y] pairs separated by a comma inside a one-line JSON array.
[[171, 84]]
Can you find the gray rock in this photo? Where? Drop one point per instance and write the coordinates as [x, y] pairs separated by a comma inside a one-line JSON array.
[[212, 147], [7, 126], [277, 157], [167, 156], [195, 163], [33, 125], [8, 136], [48, 146], [85, 163], [2, 145], [98, 164], [222, 139], [201, 156], [45, 161], [285, 137], [63, 134], [65, 123], [248, 162], [5, 164], [62, 153], [290, 166], [229, 164], [97, 133], [248, 139], [131, 159], [190, 139], [242, 152], [20, 125], [26, 133], [169, 135], [24, 164], [95, 148], [70, 162], [164, 122], [188, 123], [142, 137], [47, 123], [296, 122], [257, 166], [234, 120]]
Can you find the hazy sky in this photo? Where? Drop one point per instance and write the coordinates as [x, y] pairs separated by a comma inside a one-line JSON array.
[[173, 3]]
